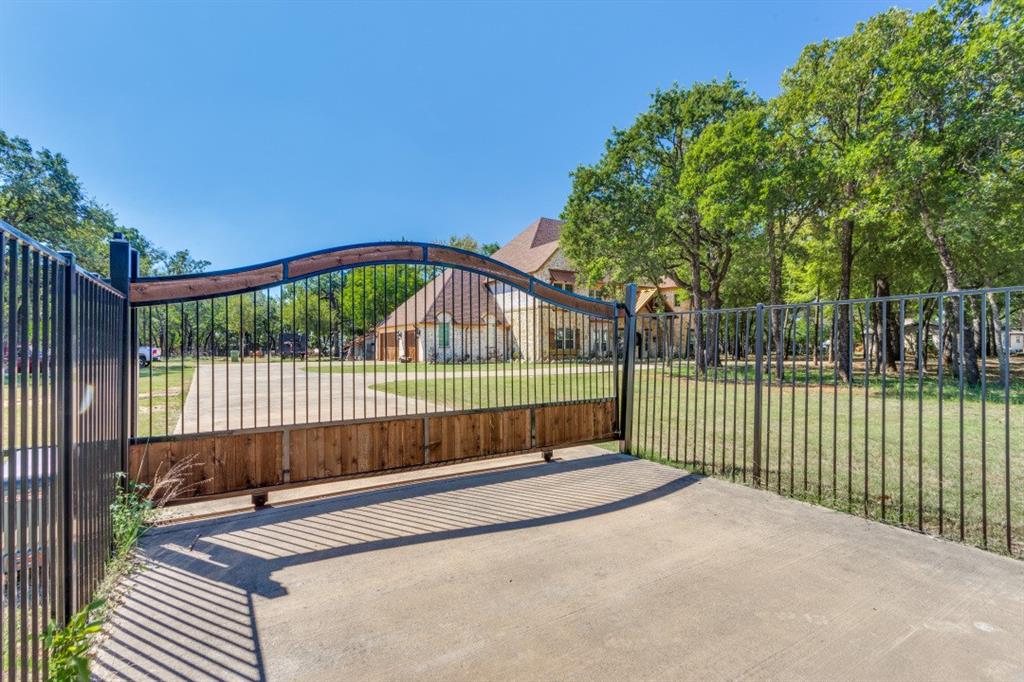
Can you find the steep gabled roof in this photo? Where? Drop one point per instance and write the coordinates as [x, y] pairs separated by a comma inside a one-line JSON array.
[[461, 294], [531, 248]]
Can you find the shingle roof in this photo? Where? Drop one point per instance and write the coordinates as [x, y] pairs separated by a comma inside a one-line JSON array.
[[531, 248], [463, 295]]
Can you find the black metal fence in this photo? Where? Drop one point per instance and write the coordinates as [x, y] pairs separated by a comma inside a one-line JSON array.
[[61, 404], [907, 409], [364, 342]]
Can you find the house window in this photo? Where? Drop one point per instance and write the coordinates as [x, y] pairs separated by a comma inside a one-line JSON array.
[[677, 299], [564, 286], [599, 341], [565, 339], [444, 331]]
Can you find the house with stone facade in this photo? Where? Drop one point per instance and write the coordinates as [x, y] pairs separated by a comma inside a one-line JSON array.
[[465, 317]]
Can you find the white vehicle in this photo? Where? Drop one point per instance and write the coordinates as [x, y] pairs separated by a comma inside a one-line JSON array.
[[148, 354]]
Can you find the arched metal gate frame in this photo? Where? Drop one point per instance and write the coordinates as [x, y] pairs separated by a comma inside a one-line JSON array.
[[257, 405]]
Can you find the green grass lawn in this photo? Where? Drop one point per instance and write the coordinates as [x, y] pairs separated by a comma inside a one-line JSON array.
[[505, 389], [808, 372], [163, 387], [844, 448]]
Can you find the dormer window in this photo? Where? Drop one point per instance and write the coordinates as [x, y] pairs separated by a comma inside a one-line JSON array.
[[563, 279]]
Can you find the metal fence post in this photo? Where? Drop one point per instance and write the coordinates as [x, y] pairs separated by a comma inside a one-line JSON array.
[[758, 379], [628, 370], [69, 412], [120, 279], [133, 349]]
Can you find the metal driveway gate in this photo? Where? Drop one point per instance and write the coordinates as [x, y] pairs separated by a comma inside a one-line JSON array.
[[363, 359]]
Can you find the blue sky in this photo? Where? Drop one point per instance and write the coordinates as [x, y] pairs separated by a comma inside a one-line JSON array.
[[247, 132]]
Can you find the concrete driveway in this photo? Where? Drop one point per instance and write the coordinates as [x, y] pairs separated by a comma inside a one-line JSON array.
[[596, 567], [243, 395], [224, 396]]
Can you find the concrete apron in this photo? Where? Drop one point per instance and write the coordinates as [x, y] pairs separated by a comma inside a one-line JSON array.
[[593, 567]]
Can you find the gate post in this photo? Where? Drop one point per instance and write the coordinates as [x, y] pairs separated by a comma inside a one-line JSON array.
[[120, 279], [758, 379], [628, 370], [68, 420]]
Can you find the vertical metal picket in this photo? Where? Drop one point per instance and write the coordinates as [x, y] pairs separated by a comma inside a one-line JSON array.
[[628, 369], [69, 411], [758, 379]]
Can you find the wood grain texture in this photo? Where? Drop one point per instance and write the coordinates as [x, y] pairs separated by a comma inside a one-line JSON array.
[[248, 460], [204, 286], [348, 257], [440, 255], [560, 424], [480, 434]]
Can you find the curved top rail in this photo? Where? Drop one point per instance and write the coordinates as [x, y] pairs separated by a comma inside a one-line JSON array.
[[180, 288]]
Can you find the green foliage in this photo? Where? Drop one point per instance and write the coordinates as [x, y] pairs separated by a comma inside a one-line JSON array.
[[328, 310], [68, 647], [893, 154], [130, 514], [626, 217], [469, 243], [40, 196]]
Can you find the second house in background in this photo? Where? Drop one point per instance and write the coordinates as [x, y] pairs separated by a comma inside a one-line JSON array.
[[465, 317]]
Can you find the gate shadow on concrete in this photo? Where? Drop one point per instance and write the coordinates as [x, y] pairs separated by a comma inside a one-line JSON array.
[[190, 614]]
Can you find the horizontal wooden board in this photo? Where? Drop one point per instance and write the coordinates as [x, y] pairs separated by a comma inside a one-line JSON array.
[[209, 465], [442, 255], [352, 256], [204, 286], [217, 464]]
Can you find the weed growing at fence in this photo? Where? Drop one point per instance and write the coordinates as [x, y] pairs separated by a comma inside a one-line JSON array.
[[69, 646], [130, 514]]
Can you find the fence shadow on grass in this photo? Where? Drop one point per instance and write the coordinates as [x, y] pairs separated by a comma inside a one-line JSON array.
[[190, 614]]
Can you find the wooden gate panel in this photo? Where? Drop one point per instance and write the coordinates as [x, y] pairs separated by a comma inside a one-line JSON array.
[[478, 434], [266, 458], [590, 421]]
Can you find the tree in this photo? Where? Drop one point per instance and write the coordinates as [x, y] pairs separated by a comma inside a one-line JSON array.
[[949, 144], [40, 196], [829, 101], [182, 263], [754, 185], [626, 219], [469, 243]]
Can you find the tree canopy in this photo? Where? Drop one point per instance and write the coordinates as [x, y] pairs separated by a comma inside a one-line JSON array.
[[894, 154], [40, 196]]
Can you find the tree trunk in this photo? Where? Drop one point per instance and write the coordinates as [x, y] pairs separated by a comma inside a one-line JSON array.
[[698, 300], [844, 350], [997, 325], [891, 328], [775, 295], [970, 357], [817, 327]]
